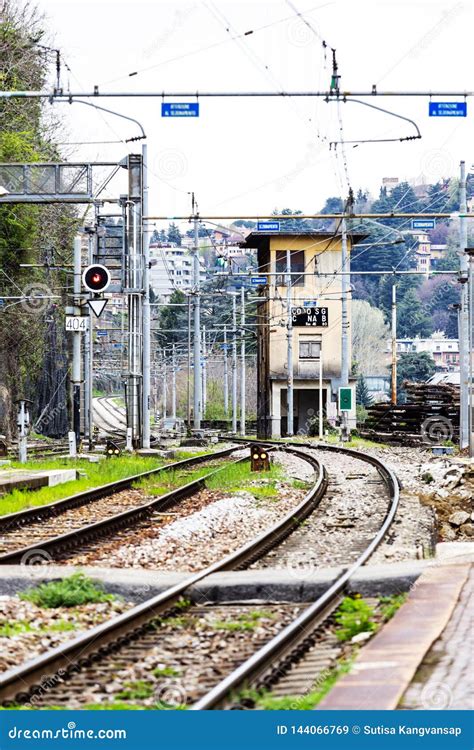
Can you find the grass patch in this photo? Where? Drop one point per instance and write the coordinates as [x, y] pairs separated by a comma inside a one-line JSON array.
[[246, 621], [353, 616], [116, 706], [390, 604], [265, 701], [300, 484], [166, 672], [137, 690], [92, 475], [19, 627], [73, 591]]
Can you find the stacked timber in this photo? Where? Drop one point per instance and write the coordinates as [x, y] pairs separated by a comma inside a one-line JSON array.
[[429, 416]]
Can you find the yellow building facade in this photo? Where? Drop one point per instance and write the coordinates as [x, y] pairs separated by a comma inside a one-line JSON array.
[[316, 329]]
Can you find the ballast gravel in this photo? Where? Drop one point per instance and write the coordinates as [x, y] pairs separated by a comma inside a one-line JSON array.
[[201, 533], [27, 630]]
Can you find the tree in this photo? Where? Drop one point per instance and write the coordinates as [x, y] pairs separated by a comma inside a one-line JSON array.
[[291, 225], [363, 397], [415, 367], [172, 319], [174, 235], [370, 334], [413, 318]]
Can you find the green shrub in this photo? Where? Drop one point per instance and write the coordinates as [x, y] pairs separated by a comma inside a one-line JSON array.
[[68, 592]]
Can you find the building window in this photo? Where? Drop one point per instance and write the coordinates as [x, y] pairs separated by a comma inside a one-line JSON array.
[[297, 266], [310, 349]]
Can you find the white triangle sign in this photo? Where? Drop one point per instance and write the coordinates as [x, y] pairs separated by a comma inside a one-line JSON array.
[[97, 306]]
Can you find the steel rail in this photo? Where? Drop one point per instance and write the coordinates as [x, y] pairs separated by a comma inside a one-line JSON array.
[[299, 631], [20, 683], [51, 510]]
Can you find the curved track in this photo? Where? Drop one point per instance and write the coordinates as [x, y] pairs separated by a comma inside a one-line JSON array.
[[271, 661], [23, 533], [21, 683]]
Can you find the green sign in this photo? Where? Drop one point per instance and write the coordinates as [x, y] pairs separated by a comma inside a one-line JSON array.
[[345, 399]]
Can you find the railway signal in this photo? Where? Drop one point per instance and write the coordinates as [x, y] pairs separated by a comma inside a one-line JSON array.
[[112, 450], [96, 278], [259, 458]]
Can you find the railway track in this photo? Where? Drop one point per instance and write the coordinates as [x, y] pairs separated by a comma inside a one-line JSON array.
[[90, 515], [133, 631], [296, 646]]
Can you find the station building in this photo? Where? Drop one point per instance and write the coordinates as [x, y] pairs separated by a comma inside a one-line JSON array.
[[316, 308]]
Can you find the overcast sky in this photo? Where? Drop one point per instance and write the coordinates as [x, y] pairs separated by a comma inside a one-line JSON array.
[[254, 155]]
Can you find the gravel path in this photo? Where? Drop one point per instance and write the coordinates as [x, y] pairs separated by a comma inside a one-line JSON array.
[[203, 528], [341, 526], [28, 630]]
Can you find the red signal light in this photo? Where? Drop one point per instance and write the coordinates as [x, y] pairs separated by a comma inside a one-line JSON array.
[[96, 278]]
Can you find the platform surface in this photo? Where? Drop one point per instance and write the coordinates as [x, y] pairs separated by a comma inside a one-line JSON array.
[[385, 667], [19, 479]]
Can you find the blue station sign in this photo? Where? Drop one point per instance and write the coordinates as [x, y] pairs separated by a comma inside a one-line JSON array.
[[423, 223], [180, 109], [448, 109], [268, 226], [258, 280]]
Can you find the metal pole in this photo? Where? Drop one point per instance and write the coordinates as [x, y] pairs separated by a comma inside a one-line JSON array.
[[471, 353], [321, 415], [394, 344], [173, 384], [146, 307], [242, 354], [234, 364], [197, 323], [76, 347], [164, 393], [134, 280], [189, 364], [345, 286], [204, 372], [289, 398], [226, 375], [89, 358], [22, 433], [464, 332]]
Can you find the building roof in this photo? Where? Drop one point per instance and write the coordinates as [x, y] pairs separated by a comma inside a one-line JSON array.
[[262, 239]]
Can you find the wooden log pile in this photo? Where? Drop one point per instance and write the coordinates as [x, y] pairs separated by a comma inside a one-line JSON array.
[[430, 416]]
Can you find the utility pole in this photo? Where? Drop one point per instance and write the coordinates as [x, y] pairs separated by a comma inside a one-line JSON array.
[[146, 306], [345, 287], [394, 344], [165, 384], [204, 372], [76, 347], [89, 354], [135, 295], [234, 363], [242, 354], [197, 322], [464, 337], [226, 375], [289, 398], [173, 384], [470, 252], [189, 365]]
